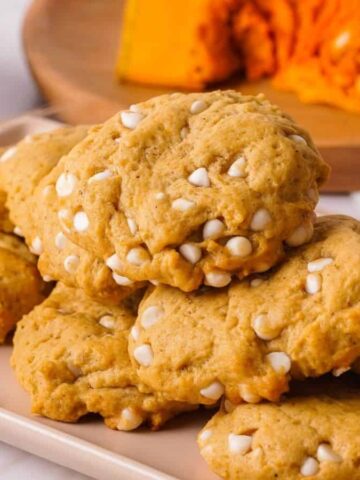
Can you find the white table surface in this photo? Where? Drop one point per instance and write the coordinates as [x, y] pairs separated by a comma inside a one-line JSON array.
[[18, 94]]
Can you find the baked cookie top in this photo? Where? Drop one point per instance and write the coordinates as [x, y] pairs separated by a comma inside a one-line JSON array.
[[25, 164], [32, 209], [190, 189], [71, 355], [21, 286], [315, 435], [302, 319]]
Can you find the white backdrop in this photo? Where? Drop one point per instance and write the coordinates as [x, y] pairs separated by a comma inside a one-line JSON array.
[[17, 90]]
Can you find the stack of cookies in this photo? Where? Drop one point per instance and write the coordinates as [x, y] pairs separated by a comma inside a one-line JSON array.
[[191, 270]]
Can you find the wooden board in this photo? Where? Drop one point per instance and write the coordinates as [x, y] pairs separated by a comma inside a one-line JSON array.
[[72, 45]]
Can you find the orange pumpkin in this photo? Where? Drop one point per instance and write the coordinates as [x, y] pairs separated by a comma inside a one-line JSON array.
[[311, 47]]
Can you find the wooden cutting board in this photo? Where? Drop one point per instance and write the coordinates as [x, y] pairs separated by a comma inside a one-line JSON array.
[[72, 45]]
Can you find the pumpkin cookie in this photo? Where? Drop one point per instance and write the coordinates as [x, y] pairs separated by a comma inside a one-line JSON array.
[[315, 435], [302, 319], [71, 355], [191, 189], [31, 206], [24, 165], [21, 287]]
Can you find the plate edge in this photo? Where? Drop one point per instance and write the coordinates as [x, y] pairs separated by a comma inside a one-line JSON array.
[[80, 455]]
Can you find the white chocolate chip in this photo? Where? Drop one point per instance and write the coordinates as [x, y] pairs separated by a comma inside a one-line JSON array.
[[144, 355], [325, 453], [247, 395], [98, 177], [81, 222], [255, 282], [134, 108], [204, 435], [159, 196], [135, 333], [309, 467], [150, 316], [237, 169], [65, 184], [199, 178], [191, 252], [213, 391], [137, 256], [198, 106], [279, 361], [239, 246], [131, 119], [298, 139], [337, 372], [76, 371], [36, 246], [113, 262], [213, 229], [301, 235], [263, 329], [217, 279], [60, 241], [129, 420], [18, 232], [47, 278], [107, 321], [229, 406], [10, 152], [319, 264], [182, 205], [121, 280], [239, 444], [132, 225], [71, 263], [342, 40], [260, 220], [313, 283]]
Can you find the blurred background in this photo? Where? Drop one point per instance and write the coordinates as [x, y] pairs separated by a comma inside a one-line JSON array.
[[18, 92], [80, 61]]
